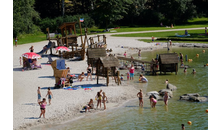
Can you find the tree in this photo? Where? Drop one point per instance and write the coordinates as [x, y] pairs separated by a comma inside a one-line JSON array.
[[108, 11], [24, 16]]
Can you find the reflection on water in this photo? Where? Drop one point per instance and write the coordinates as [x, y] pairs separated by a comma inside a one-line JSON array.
[[130, 116]]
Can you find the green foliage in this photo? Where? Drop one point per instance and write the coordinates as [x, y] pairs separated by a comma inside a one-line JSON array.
[[108, 11], [24, 16], [54, 23]]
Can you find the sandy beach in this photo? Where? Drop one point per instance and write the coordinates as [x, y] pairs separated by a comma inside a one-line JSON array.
[[67, 104]]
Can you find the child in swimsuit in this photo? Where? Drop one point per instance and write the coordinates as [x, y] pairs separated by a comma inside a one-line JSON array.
[[165, 98], [153, 101], [50, 95], [99, 99], [89, 72], [38, 95], [128, 75], [140, 96], [104, 99]]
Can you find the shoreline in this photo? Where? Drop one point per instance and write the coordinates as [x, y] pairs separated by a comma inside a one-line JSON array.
[[66, 104]]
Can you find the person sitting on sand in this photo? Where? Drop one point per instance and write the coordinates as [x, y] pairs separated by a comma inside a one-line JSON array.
[[153, 101], [89, 106], [140, 96], [81, 76], [143, 79], [50, 95], [42, 107]]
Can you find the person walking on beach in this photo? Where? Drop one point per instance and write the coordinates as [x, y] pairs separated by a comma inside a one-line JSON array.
[[140, 96], [20, 60], [125, 54], [89, 72], [38, 95], [16, 41], [104, 99], [132, 72], [139, 53], [50, 95], [31, 49], [42, 107]]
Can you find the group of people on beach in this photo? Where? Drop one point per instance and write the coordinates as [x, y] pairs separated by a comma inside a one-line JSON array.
[[100, 98], [43, 103]]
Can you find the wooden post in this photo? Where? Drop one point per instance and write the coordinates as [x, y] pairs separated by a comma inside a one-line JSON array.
[[119, 81], [48, 33], [74, 28], [97, 70], [80, 31], [107, 76], [176, 68], [98, 38]]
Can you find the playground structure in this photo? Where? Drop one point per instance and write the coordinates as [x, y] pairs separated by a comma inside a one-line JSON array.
[[93, 55], [168, 62], [50, 45], [100, 44], [150, 66], [70, 39], [106, 67]]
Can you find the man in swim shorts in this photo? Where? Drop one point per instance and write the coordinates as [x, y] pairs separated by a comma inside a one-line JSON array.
[[140, 96], [38, 95]]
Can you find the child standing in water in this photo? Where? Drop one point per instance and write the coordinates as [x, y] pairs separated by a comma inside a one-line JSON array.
[[140, 96], [128, 75], [50, 95], [165, 98], [153, 101]]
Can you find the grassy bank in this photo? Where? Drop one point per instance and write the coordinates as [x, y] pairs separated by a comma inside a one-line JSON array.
[[30, 38]]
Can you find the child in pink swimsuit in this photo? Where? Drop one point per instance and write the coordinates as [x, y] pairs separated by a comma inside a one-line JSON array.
[[153, 101]]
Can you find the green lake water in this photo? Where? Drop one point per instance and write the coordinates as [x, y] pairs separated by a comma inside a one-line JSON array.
[[130, 116]]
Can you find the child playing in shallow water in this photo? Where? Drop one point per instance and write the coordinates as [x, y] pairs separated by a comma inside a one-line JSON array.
[[153, 101], [128, 75]]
